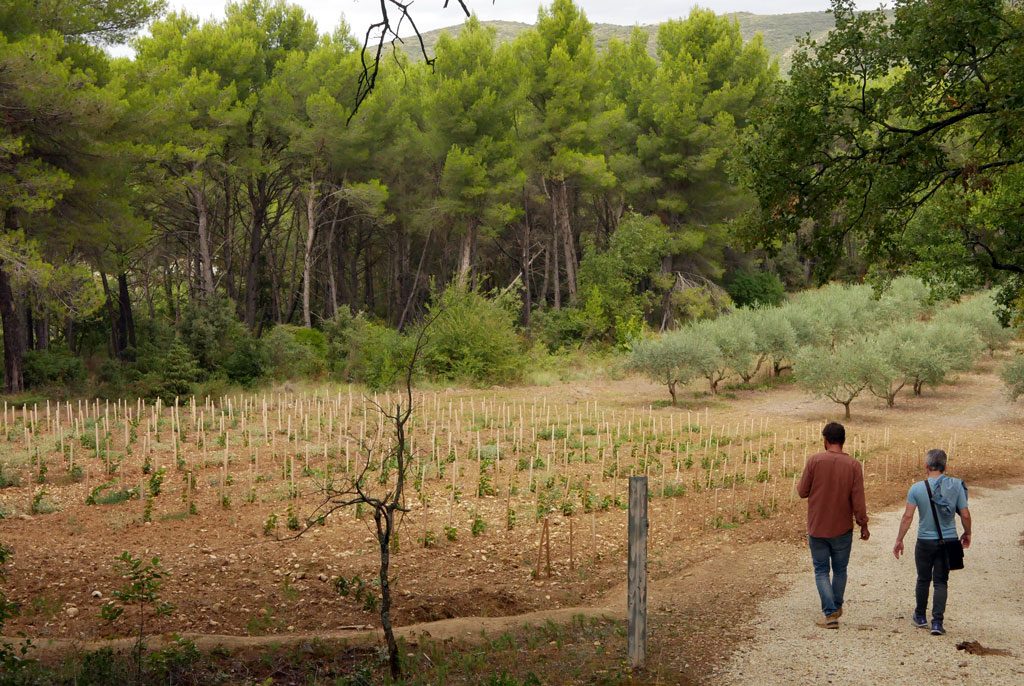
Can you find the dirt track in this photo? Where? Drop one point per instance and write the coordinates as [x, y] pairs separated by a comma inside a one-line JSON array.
[[876, 642]]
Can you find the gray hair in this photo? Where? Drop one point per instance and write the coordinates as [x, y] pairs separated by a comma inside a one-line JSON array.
[[935, 460]]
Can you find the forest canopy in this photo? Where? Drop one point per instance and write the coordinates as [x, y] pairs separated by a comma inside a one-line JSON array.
[[217, 204]]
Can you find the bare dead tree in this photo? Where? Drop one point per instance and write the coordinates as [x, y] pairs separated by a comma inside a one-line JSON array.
[[384, 33], [384, 492]]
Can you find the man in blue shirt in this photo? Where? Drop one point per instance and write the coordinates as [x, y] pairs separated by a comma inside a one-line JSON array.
[[932, 564]]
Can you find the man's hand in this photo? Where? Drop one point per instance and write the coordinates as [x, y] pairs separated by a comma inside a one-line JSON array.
[[897, 549], [966, 540], [864, 533]]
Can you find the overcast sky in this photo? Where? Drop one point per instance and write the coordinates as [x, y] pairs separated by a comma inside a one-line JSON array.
[[430, 14]]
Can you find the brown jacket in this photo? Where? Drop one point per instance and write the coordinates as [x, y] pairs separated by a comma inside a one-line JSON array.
[[833, 484]]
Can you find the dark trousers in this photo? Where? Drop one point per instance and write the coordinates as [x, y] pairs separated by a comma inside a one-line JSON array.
[[932, 568]]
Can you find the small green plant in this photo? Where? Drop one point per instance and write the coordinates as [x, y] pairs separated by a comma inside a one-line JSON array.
[[292, 519], [510, 518], [8, 480], [106, 494], [429, 539], [263, 623], [270, 524], [485, 486], [142, 591], [479, 525], [40, 505], [156, 480], [451, 533]]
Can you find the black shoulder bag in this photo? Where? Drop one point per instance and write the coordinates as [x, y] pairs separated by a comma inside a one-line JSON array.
[[954, 550]]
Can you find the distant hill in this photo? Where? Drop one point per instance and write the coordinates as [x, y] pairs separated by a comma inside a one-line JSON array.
[[780, 32]]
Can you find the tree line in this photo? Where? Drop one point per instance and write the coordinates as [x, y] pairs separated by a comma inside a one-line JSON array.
[[217, 204], [840, 342], [225, 162]]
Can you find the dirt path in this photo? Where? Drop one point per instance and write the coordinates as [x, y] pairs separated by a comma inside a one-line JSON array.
[[876, 642]]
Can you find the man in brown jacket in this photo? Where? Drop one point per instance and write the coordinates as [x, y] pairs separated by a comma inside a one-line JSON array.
[[833, 483]]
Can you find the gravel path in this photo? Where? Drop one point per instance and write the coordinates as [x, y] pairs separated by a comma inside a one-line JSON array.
[[876, 643]]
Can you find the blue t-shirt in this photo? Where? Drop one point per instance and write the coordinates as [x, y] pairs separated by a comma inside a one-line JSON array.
[[926, 530]]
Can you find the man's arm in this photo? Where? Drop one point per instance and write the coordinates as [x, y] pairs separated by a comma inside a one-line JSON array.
[[860, 508], [908, 518], [965, 518], [803, 489]]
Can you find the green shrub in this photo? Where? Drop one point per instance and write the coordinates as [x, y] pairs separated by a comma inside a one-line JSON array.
[[247, 362], [173, 377], [556, 329], [614, 283], [361, 350], [210, 329], [473, 338], [749, 288], [53, 367], [294, 352], [1012, 375]]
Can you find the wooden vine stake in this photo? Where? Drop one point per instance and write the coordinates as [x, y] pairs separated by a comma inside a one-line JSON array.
[[543, 547], [636, 575]]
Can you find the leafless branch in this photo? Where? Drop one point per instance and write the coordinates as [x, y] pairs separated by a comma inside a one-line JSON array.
[[393, 13]]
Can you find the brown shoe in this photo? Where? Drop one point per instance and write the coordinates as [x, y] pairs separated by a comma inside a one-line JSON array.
[[837, 614], [829, 622]]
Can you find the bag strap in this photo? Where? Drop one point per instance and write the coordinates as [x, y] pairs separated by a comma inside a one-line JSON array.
[[938, 524]]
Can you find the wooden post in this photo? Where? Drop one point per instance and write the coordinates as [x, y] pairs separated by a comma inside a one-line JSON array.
[[636, 576]]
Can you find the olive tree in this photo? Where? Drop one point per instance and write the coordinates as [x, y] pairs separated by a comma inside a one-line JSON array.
[[957, 341], [839, 375], [674, 358], [735, 342], [906, 297], [774, 337], [979, 313], [1012, 375], [888, 375]]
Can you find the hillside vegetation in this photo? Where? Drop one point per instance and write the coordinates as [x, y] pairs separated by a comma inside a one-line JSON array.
[[779, 31]]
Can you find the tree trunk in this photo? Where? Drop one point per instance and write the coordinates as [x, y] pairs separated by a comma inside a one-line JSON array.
[[332, 277], [415, 282], [14, 339], [307, 258], [169, 294], [544, 280], [116, 344], [257, 197], [524, 258], [467, 248], [846, 405], [561, 193], [30, 326], [384, 529], [125, 319], [205, 256], [368, 296], [672, 392], [556, 277]]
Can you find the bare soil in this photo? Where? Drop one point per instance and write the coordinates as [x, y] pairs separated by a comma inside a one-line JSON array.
[[715, 557]]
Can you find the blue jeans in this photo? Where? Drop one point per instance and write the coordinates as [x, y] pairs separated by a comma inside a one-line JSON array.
[[835, 552]]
